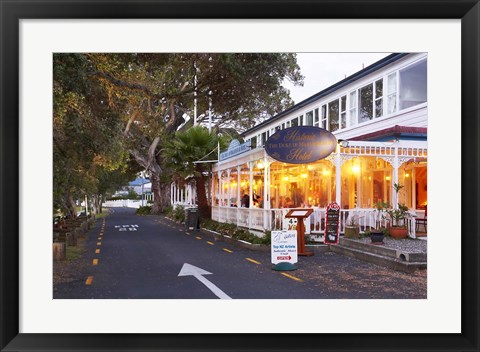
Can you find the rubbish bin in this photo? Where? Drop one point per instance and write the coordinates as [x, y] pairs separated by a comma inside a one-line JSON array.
[[191, 219]]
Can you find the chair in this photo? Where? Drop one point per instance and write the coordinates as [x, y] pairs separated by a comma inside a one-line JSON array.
[[422, 221]]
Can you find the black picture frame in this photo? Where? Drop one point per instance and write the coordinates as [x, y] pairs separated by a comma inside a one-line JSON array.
[[12, 11]]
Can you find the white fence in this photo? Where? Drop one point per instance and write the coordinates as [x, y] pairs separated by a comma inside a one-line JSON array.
[[274, 219], [124, 203]]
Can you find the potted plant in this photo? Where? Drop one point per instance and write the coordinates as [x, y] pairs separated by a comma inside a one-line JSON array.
[[352, 228], [397, 215], [378, 233]]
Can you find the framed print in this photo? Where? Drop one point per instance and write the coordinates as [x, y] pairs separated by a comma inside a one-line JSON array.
[[33, 32]]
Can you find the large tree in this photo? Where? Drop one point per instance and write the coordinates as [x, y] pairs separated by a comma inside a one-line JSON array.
[[88, 150], [154, 94]]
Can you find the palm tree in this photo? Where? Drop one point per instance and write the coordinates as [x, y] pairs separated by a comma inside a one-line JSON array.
[[187, 155]]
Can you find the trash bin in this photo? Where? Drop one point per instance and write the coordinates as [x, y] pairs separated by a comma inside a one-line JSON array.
[[191, 219]]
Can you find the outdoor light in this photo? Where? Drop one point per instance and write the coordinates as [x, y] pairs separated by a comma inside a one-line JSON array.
[[303, 175], [260, 164], [355, 169], [343, 143]]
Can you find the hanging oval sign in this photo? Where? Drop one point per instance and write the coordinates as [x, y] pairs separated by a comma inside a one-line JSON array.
[[301, 144]]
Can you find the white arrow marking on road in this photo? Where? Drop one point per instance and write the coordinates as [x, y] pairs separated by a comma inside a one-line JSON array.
[[191, 270]]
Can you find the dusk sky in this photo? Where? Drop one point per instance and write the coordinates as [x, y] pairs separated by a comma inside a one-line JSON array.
[[321, 70]]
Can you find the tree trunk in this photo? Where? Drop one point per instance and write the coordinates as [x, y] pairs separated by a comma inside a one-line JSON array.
[[59, 251], [161, 194], [203, 207]]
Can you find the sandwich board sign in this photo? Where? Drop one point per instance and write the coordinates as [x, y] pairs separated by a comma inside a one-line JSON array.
[[332, 224], [284, 247]]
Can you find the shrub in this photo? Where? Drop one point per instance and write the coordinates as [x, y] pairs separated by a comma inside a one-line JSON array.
[[236, 232], [179, 213], [146, 210]]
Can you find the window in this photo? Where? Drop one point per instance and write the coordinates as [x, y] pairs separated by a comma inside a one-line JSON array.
[[316, 119], [392, 93], [264, 138], [353, 109], [413, 85], [343, 112], [333, 108], [295, 122], [324, 117], [309, 118], [300, 119], [365, 112], [288, 124], [379, 98]]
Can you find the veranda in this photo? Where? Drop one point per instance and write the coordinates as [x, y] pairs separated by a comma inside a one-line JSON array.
[[367, 172]]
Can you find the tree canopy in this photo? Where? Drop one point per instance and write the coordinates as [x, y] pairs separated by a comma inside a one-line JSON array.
[[117, 106]]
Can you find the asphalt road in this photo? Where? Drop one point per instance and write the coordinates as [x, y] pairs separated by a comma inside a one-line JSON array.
[[151, 257]]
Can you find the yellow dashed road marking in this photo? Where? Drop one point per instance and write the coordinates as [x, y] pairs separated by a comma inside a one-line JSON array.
[[227, 250], [100, 238], [99, 243], [89, 280], [198, 238], [253, 261], [95, 262], [292, 277], [210, 243], [97, 251], [187, 233]]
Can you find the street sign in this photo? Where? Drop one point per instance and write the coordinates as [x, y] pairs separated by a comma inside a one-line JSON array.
[[284, 247]]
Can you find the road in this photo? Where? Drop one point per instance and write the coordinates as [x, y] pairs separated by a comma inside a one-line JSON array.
[[151, 257]]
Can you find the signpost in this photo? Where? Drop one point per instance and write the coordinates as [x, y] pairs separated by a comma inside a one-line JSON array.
[[284, 249], [300, 214], [332, 223]]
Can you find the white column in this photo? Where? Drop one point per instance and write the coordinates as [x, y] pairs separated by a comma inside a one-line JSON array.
[[239, 170], [395, 178], [338, 176], [266, 195]]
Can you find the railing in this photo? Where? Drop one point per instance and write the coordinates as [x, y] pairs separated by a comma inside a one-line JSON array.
[[274, 219]]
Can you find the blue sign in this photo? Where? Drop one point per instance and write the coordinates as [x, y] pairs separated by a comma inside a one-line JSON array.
[[301, 144], [235, 148]]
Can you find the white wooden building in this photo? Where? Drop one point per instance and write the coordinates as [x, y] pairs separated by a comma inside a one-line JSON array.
[[378, 115]]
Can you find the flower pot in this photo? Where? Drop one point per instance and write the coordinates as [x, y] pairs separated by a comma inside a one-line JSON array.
[[398, 232], [377, 237], [352, 232]]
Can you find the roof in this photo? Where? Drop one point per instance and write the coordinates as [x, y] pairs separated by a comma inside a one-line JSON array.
[[139, 182], [352, 78], [396, 132]]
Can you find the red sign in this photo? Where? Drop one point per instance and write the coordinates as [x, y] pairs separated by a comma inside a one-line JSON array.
[[284, 257], [332, 223]]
